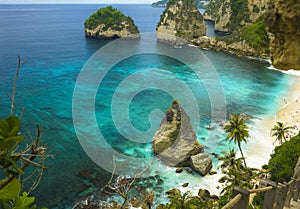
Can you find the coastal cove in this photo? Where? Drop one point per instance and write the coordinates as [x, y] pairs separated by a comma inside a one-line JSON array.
[[50, 40]]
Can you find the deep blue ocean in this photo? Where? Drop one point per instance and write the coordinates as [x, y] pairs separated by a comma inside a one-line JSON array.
[[51, 43]]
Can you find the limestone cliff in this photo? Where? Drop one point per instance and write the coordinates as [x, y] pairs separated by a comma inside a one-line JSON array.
[[180, 22], [175, 142], [230, 15], [243, 19], [163, 3], [109, 22], [282, 21], [249, 40]]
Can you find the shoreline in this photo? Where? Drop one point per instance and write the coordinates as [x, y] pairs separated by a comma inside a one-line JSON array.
[[261, 145]]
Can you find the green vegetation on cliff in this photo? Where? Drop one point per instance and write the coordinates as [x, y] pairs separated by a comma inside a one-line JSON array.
[[111, 18], [163, 3], [239, 12], [184, 18], [283, 161], [256, 35]]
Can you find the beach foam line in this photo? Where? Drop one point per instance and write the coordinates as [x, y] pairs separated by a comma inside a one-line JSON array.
[[289, 72]]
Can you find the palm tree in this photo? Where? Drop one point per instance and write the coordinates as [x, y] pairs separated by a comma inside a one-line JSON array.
[[235, 172], [279, 130], [229, 159], [237, 131]]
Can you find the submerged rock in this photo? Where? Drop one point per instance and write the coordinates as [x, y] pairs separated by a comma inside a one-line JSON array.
[[109, 22], [180, 22], [282, 21]]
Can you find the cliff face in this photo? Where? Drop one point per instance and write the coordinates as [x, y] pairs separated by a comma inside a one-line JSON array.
[[200, 3], [110, 23], [282, 21], [182, 19], [230, 15]]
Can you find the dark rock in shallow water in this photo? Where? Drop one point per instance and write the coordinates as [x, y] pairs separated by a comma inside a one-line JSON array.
[[185, 185], [179, 170], [212, 172]]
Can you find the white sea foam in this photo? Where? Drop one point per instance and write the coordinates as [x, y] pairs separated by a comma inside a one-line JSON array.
[[289, 72]]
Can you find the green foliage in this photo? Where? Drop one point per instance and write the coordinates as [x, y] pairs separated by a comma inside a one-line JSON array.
[[239, 13], [9, 139], [111, 18], [237, 131], [256, 35], [258, 200], [10, 191], [283, 161], [9, 159], [186, 201], [235, 173], [280, 131], [24, 202]]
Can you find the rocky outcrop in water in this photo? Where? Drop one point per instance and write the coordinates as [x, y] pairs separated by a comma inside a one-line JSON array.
[[180, 22], [282, 21], [201, 163], [175, 141], [109, 22]]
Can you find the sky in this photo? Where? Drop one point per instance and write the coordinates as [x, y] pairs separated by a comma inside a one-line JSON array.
[[77, 1]]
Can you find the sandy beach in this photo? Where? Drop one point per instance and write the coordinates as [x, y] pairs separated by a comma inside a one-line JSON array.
[[261, 144]]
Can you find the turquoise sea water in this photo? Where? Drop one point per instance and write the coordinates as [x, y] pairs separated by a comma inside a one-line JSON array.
[[51, 43]]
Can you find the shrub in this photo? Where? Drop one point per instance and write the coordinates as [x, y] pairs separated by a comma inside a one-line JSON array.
[[284, 160]]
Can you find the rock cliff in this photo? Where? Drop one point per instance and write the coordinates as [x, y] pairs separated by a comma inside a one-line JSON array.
[[109, 22], [180, 22], [200, 3], [243, 20], [230, 15], [175, 142], [249, 40], [282, 21]]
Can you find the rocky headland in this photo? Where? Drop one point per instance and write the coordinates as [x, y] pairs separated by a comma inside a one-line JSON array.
[[109, 22], [180, 23], [244, 21], [175, 142]]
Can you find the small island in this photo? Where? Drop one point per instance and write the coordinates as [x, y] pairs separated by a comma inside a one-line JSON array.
[[109, 22]]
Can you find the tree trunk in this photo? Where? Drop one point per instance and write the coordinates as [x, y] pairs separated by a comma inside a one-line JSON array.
[[243, 157]]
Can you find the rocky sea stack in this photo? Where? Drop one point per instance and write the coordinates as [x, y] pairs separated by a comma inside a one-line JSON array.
[[180, 23], [109, 22], [175, 142]]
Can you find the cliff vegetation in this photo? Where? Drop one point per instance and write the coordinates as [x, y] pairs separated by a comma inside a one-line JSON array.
[[200, 3], [107, 22], [181, 18]]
